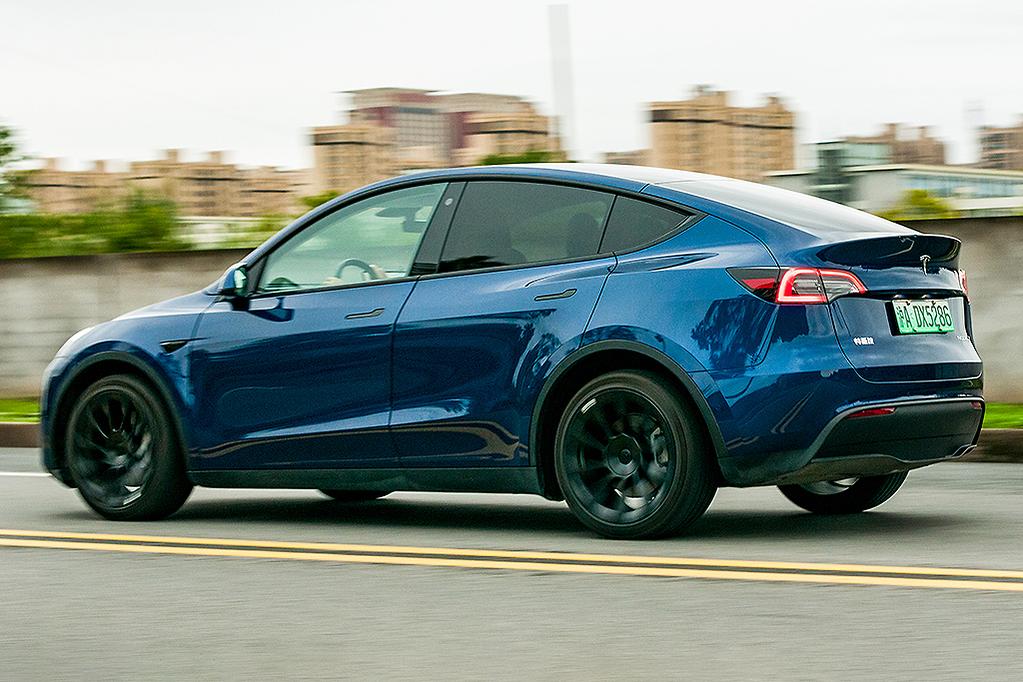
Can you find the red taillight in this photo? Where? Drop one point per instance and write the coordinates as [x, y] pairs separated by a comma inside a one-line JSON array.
[[798, 285], [872, 412], [816, 285], [963, 284]]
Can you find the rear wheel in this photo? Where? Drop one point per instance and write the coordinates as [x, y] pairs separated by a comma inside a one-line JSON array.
[[123, 452], [845, 496], [631, 458], [354, 495]]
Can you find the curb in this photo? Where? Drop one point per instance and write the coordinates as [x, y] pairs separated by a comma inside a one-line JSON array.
[[996, 445]]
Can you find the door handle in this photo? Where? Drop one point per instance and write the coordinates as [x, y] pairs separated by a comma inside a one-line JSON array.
[[567, 293], [376, 312]]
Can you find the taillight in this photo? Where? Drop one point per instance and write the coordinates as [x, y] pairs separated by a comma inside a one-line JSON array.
[[963, 284], [806, 286]]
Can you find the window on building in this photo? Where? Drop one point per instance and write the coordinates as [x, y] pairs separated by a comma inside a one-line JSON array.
[[515, 223]]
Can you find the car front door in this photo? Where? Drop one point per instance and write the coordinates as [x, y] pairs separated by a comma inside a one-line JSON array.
[[518, 279], [298, 373]]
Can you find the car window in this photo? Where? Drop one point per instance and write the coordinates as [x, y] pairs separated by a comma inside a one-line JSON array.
[[635, 223], [513, 223], [372, 239]]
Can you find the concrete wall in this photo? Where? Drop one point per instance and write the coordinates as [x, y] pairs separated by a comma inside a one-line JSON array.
[[46, 300], [43, 301], [992, 256]]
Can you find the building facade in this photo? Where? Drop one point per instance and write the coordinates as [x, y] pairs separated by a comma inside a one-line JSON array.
[[907, 144], [207, 187], [1002, 147], [432, 129], [351, 155], [968, 191], [707, 134]]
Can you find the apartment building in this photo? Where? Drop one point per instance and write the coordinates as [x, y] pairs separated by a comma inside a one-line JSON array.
[[907, 144], [206, 187], [1002, 148], [705, 133]]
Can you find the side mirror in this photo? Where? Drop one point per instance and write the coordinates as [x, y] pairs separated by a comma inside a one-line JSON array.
[[234, 283]]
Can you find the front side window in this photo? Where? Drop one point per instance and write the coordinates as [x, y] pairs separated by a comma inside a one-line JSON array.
[[515, 223], [372, 239]]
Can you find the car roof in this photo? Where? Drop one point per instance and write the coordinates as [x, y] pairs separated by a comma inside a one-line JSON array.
[[614, 175]]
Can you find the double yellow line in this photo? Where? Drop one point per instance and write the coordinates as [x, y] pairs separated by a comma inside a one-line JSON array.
[[554, 562]]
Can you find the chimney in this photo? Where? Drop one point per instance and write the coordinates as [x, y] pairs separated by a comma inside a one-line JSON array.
[[51, 164], [172, 155], [216, 157], [99, 166]]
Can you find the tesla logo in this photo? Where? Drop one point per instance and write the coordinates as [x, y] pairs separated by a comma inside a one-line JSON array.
[[924, 260], [863, 340]]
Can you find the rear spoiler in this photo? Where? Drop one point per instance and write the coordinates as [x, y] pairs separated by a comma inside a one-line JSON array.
[[903, 250]]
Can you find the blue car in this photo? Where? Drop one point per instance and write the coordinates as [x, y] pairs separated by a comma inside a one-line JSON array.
[[625, 339]]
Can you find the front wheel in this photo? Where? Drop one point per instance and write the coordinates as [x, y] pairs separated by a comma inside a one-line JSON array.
[[123, 452], [631, 457], [845, 496]]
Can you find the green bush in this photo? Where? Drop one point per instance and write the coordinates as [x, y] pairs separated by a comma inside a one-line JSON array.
[[137, 223]]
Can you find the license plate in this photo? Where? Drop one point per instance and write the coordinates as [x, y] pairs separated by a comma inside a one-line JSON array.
[[923, 317]]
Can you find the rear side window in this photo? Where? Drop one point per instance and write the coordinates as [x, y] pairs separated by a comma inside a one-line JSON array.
[[635, 223], [515, 223]]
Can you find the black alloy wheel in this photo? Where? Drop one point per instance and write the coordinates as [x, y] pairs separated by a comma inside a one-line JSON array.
[[123, 453], [844, 496], [631, 457]]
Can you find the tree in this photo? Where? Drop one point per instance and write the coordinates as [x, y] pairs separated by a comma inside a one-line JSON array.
[[919, 204], [12, 179], [532, 156], [315, 200]]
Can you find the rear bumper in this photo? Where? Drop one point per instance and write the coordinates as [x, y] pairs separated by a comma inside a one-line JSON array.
[[907, 434]]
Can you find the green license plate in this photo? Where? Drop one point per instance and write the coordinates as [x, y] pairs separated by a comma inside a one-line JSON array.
[[923, 317]]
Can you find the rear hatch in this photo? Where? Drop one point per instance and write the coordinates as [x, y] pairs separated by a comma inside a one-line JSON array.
[[913, 321]]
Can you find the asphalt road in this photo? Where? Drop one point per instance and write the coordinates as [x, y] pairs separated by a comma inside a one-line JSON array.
[[215, 597]]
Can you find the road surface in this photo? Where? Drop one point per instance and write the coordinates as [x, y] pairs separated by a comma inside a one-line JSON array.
[[270, 584]]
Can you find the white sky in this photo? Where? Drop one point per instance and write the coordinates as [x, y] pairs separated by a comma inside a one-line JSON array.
[[123, 79]]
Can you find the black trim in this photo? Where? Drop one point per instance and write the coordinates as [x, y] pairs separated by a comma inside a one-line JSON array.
[[477, 480], [794, 466], [427, 258]]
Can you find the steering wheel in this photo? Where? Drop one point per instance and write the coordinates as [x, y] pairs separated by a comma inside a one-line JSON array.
[[373, 271]]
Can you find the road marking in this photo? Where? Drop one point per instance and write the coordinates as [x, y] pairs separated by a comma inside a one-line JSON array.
[[25, 474], [558, 562]]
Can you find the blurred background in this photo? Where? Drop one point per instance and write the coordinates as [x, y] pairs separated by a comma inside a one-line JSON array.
[[144, 147]]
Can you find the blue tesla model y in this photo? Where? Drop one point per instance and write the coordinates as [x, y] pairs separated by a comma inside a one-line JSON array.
[[626, 339]]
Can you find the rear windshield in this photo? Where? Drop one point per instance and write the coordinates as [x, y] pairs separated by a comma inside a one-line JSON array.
[[803, 211]]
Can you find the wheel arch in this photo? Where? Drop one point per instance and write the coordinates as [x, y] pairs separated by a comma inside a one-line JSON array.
[[589, 362], [87, 372]]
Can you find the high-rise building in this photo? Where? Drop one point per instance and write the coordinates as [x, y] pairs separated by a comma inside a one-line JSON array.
[[430, 129], [706, 134], [506, 134], [907, 144], [1002, 147]]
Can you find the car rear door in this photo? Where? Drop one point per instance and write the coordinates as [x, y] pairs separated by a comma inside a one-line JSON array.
[[518, 280]]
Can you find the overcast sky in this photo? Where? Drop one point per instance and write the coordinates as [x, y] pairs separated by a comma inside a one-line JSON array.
[[121, 80]]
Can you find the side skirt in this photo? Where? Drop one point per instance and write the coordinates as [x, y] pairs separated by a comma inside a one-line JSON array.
[[483, 480]]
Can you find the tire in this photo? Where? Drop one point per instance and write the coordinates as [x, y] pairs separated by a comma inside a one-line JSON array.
[[123, 452], [355, 495], [632, 458], [849, 496]]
